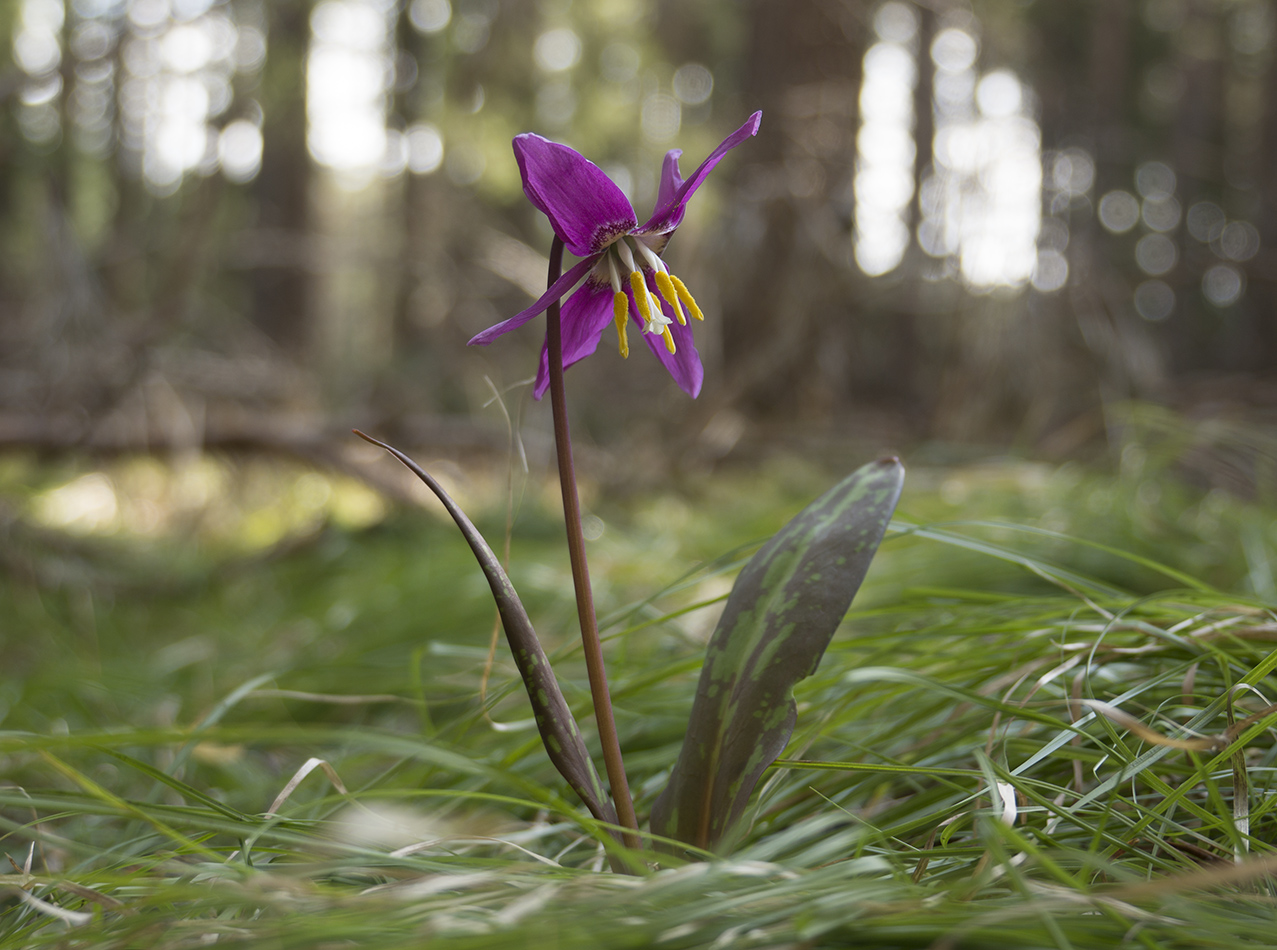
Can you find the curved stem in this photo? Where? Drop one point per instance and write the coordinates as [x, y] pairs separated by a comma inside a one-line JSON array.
[[580, 569]]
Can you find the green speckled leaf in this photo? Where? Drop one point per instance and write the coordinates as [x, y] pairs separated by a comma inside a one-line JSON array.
[[555, 722], [779, 619]]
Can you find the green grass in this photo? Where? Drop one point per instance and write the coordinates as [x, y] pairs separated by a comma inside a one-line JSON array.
[[948, 784]]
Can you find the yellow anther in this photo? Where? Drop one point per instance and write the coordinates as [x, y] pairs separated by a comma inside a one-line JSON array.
[[640, 296], [685, 295], [666, 287], [621, 313], [669, 339]]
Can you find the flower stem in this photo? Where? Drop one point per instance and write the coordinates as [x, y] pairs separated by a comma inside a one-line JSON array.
[[581, 571]]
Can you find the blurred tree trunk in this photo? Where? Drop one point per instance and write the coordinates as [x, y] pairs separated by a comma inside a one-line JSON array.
[[1110, 69], [407, 93], [1196, 339], [1099, 290], [423, 295], [924, 126], [1263, 269], [281, 284], [788, 304], [1199, 118]]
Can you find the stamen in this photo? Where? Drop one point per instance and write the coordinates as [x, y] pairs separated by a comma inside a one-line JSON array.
[[666, 287], [685, 295], [669, 339], [640, 298], [621, 313]]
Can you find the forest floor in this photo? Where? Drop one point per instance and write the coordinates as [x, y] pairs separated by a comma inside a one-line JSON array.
[[247, 703]]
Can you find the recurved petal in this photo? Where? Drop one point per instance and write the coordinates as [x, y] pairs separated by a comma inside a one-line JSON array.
[[584, 317], [585, 208], [667, 217], [557, 290], [685, 364], [671, 182]]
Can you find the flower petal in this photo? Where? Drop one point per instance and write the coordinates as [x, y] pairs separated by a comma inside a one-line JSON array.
[[557, 290], [584, 206], [684, 364], [585, 315], [668, 216], [671, 182]]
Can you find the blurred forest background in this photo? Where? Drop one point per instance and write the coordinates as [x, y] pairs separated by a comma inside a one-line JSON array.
[[254, 223], [1028, 245]]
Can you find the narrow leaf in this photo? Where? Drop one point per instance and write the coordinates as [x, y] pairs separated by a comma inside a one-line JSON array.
[[555, 722], [780, 617], [186, 791]]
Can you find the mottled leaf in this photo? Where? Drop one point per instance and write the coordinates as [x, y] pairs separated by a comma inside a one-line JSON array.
[[555, 722], [779, 619]]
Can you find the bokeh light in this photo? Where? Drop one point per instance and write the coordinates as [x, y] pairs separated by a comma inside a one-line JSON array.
[[347, 86], [693, 84], [1119, 211], [1161, 213], [1223, 285], [425, 149], [429, 16], [239, 149], [1239, 241], [1155, 180], [1051, 272], [885, 149], [1205, 221], [37, 50], [558, 49], [1155, 254], [1154, 300], [661, 118], [982, 203]]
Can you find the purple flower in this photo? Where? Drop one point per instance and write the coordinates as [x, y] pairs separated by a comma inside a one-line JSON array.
[[621, 274]]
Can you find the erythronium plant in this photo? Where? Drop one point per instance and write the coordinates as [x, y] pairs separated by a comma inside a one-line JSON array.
[[789, 599], [594, 220]]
